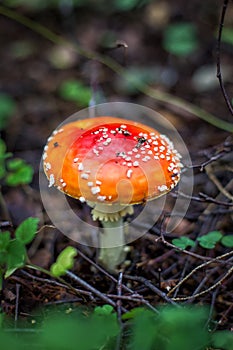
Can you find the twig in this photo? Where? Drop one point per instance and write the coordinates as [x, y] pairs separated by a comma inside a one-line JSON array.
[[221, 150], [63, 301], [58, 284], [218, 49], [154, 289], [123, 286], [213, 178], [223, 318], [214, 295], [218, 283], [45, 226], [170, 245], [202, 198], [90, 288], [199, 287], [206, 258], [127, 298], [17, 302], [220, 196], [198, 268], [119, 311], [119, 292], [107, 274]]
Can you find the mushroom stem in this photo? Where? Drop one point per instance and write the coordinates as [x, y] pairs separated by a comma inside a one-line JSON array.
[[112, 244]]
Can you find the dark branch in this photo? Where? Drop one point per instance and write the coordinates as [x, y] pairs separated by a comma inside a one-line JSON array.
[[218, 54]]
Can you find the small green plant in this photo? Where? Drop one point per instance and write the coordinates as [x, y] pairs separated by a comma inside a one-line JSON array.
[[210, 240], [207, 241], [7, 108], [13, 171], [74, 90], [183, 242], [13, 253], [180, 39]]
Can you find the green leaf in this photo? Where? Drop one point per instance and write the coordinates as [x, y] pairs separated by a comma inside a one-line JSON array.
[[26, 231], [7, 108], [104, 310], [227, 241], [64, 262], [180, 39], [15, 164], [57, 270], [183, 242], [223, 340], [66, 257], [132, 313], [74, 90], [209, 241], [16, 256], [22, 173], [184, 328], [4, 240], [144, 323]]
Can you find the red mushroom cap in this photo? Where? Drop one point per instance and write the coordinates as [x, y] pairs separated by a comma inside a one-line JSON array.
[[111, 160]]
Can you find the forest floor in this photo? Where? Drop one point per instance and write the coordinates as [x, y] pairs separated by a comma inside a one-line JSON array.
[[31, 74]]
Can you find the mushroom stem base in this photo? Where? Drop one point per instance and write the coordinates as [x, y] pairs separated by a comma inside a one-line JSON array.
[[112, 244]]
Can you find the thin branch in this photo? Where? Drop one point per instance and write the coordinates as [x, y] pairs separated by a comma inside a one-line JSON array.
[[154, 289], [17, 302], [55, 283], [119, 311], [218, 51], [119, 293], [106, 273], [198, 268], [90, 288], [203, 198], [220, 151], [214, 179], [218, 283]]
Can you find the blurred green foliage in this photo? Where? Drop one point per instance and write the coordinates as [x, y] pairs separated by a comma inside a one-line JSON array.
[[107, 5], [74, 90], [180, 39], [7, 108], [15, 171], [75, 328]]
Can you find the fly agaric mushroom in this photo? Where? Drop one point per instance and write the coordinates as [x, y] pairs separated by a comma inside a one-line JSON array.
[[111, 164]]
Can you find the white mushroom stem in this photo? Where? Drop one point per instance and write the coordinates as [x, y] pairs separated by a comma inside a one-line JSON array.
[[112, 236]]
